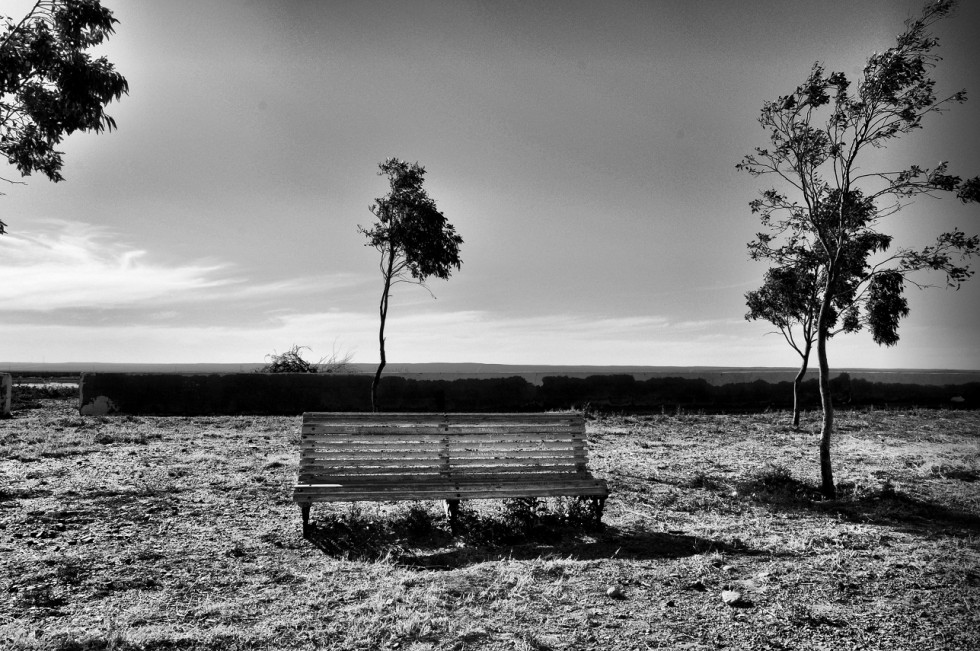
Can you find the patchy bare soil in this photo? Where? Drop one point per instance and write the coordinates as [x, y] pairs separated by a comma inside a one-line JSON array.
[[179, 533]]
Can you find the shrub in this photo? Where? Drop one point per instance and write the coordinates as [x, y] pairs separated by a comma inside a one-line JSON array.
[[292, 361]]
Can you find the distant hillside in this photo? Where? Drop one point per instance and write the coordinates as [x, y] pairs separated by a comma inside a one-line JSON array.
[[714, 375]]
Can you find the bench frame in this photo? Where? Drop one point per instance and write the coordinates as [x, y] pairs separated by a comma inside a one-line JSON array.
[[350, 457]]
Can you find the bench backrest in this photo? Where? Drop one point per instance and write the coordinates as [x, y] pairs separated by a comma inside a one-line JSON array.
[[352, 447]]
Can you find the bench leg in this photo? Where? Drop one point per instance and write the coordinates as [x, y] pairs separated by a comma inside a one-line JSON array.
[[452, 513], [597, 504], [305, 510]]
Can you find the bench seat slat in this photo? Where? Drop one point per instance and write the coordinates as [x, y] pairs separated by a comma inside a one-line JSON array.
[[308, 494], [436, 455], [487, 483], [432, 439], [407, 451], [444, 462], [454, 417], [400, 443], [462, 482], [514, 433], [484, 474], [450, 493], [409, 475]]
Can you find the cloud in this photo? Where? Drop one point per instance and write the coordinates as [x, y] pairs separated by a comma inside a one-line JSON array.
[[73, 265], [78, 266]]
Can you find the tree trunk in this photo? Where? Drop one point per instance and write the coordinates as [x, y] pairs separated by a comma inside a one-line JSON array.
[[383, 311], [377, 374], [826, 431], [797, 381]]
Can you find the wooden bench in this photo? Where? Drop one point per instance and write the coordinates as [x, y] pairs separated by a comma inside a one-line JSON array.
[[349, 457]]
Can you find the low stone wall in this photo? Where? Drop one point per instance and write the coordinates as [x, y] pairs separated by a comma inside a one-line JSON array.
[[294, 393], [6, 385]]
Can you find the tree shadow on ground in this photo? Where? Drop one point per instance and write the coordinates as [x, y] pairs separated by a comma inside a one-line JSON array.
[[905, 512], [415, 539], [886, 506]]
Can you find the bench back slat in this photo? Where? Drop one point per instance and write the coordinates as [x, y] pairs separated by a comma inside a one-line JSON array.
[[311, 471], [326, 448], [451, 418], [408, 478]]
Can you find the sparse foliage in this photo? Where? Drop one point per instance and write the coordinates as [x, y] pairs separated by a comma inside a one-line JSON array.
[[49, 86], [826, 222], [414, 239]]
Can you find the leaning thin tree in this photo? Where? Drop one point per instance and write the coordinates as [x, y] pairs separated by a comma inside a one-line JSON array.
[[789, 298], [50, 86], [414, 239], [830, 211]]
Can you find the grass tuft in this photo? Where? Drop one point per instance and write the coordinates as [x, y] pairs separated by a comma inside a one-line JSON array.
[[774, 483]]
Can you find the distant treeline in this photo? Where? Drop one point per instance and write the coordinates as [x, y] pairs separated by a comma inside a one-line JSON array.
[[294, 393]]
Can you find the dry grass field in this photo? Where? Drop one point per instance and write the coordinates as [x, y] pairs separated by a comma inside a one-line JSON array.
[[178, 533]]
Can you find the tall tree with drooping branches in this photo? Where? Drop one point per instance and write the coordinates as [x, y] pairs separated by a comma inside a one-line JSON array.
[[415, 241], [828, 212]]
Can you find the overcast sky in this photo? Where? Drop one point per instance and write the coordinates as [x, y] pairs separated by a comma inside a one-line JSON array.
[[585, 151]]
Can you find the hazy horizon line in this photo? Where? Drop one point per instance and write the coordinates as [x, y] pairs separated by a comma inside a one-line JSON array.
[[487, 366]]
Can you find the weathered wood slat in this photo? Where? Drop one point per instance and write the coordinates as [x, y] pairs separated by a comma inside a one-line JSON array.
[[405, 464], [409, 456], [352, 471], [449, 460], [347, 453], [513, 453], [441, 450], [395, 436], [437, 430], [405, 442], [443, 422], [492, 482], [454, 417], [530, 463], [477, 482], [392, 436], [474, 477], [450, 493], [457, 455]]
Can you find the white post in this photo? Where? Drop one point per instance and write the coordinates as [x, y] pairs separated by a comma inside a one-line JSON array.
[[6, 382]]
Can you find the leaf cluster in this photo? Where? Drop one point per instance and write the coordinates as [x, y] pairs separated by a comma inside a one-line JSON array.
[[49, 86], [415, 239]]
